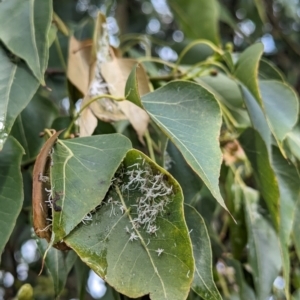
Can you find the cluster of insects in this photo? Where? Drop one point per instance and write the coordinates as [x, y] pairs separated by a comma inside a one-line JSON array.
[[151, 194], [154, 194]]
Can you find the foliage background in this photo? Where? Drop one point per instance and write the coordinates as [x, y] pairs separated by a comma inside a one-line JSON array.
[[160, 28]]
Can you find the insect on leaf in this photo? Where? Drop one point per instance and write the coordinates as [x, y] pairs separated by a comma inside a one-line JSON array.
[[140, 223]]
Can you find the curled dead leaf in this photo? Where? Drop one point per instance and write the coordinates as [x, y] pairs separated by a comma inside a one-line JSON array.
[[41, 211]]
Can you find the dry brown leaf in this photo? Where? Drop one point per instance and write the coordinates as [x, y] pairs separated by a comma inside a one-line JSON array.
[[87, 120], [79, 64], [116, 73], [40, 209], [138, 118], [107, 75]]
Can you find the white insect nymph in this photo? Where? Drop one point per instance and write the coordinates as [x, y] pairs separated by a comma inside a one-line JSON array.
[[159, 251], [133, 237], [87, 218]]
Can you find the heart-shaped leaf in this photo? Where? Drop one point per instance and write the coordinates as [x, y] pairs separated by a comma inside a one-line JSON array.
[[191, 118], [140, 223], [81, 175]]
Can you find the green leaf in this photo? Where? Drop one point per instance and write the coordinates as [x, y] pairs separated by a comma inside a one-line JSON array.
[[225, 16], [246, 70], [58, 263], [37, 115], [191, 118], [288, 182], [111, 294], [296, 227], [258, 119], [52, 33], [61, 123], [17, 86], [193, 52], [81, 175], [203, 283], [197, 21], [132, 88], [161, 141], [257, 153], [11, 187], [293, 141], [229, 95], [25, 292], [281, 107], [190, 183], [206, 205], [117, 242], [261, 9], [34, 19], [264, 252], [268, 70]]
